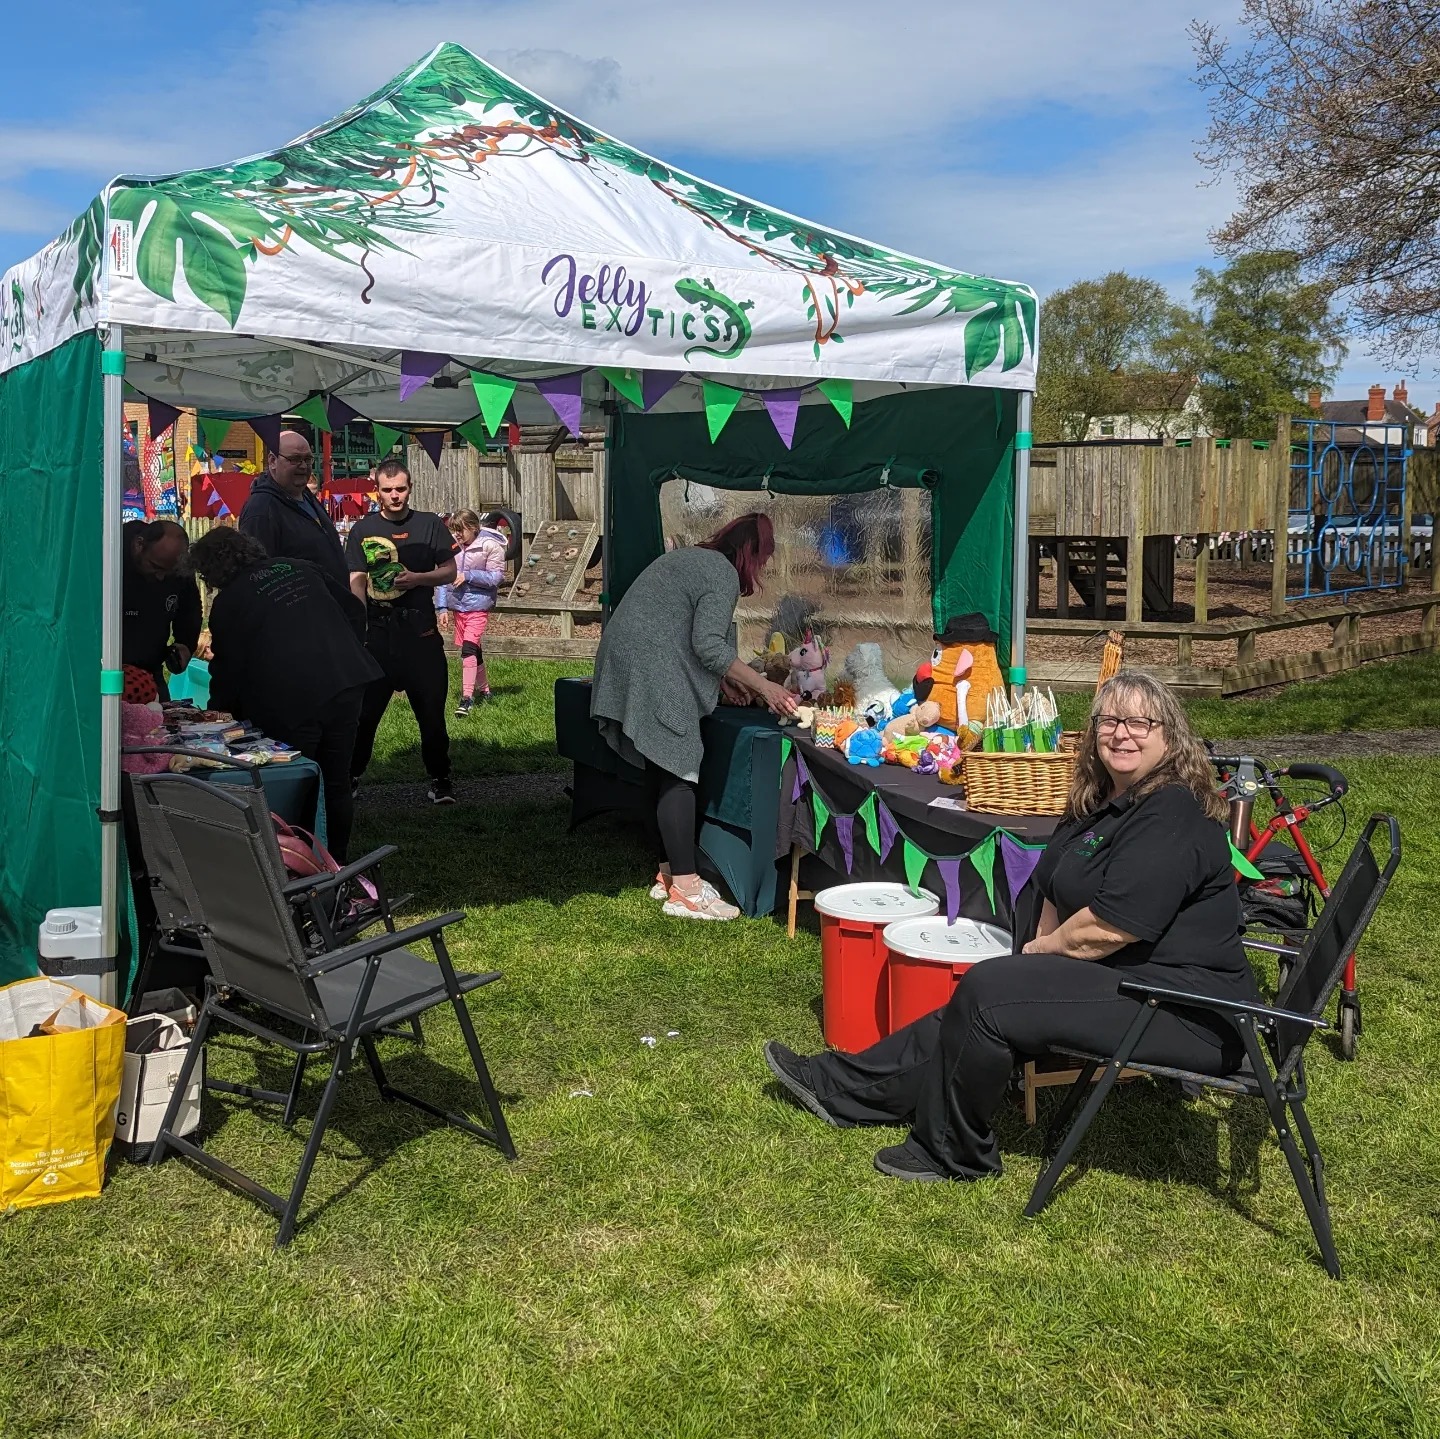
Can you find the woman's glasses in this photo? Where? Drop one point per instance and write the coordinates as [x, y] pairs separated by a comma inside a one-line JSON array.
[[1136, 726]]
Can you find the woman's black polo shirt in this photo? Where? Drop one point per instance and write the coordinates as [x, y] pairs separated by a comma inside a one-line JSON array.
[[1159, 869]]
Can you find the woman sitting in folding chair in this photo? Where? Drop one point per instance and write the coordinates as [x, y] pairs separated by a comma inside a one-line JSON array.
[[1136, 883]]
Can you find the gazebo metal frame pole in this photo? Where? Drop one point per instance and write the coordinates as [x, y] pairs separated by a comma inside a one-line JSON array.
[[112, 367], [1020, 587]]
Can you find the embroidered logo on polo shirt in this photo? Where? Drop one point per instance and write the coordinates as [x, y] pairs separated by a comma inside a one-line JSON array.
[[1089, 842]]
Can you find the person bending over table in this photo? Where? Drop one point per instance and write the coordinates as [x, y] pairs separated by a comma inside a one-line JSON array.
[[666, 655], [1136, 883], [289, 654], [159, 600]]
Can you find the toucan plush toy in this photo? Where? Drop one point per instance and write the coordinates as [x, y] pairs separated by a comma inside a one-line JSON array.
[[961, 672]]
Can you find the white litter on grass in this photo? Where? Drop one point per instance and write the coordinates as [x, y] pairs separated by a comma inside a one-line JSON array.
[[648, 1039], [672, 1034], [582, 1093]]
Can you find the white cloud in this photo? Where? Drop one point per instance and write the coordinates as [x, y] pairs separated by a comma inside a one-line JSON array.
[[22, 214]]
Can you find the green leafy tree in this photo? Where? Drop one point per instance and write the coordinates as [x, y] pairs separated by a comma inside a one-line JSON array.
[[1263, 337], [1105, 342]]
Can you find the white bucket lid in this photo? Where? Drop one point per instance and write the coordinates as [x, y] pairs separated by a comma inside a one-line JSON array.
[[875, 902], [967, 941]]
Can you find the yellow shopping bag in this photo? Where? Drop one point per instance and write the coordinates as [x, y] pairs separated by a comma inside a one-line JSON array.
[[62, 1055]]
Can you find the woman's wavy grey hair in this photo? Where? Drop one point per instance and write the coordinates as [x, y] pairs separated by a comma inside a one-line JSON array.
[[223, 554]]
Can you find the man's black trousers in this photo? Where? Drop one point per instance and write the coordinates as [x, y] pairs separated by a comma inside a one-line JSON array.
[[946, 1075], [329, 739], [411, 651]]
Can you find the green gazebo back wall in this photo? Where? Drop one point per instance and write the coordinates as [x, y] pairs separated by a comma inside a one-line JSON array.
[[956, 443]]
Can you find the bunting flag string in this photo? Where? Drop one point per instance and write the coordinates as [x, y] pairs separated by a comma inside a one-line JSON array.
[[340, 414], [822, 814], [564, 395], [494, 393], [783, 407], [845, 833], [786, 746], [630, 383], [432, 442], [315, 412], [213, 429], [473, 431], [417, 368], [889, 832], [1019, 861], [950, 874], [386, 438], [841, 394], [160, 417], [268, 428], [656, 384], [720, 403], [983, 859], [915, 861], [872, 825]]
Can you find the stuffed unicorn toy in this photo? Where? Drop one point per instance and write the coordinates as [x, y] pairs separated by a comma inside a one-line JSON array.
[[808, 661]]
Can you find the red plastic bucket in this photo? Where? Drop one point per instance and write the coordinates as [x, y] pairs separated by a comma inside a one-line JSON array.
[[928, 958], [853, 957]]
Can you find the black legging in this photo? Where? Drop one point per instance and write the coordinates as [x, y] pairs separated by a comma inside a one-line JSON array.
[[946, 1075], [672, 800]]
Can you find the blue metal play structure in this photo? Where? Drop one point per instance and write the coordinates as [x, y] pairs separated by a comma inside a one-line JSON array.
[[1347, 500]]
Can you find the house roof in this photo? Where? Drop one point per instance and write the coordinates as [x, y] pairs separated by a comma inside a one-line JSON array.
[[1357, 412]]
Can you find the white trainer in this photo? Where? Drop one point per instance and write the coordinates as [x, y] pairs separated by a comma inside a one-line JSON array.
[[661, 888], [705, 903]]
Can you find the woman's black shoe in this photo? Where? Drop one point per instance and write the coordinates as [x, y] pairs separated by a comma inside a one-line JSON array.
[[793, 1072], [901, 1162]]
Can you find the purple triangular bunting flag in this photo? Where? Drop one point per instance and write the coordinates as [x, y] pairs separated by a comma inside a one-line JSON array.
[[656, 384], [888, 832], [563, 394], [268, 428], [784, 409], [432, 442], [161, 417], [950, 873], [1019, 863], [417, 367], [339, 413], [845, 829], [801, 778]]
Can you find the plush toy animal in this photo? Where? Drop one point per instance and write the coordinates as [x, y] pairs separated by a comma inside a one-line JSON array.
[[808, 661], [864, 747], [961, 672], [921, 718], [865, 669], [142, 726]]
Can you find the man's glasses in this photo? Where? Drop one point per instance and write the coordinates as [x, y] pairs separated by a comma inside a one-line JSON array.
[[300, 462], [1136, 726]]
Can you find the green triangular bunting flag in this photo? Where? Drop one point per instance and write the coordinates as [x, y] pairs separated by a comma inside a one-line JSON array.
[[213, 429], [1239, 863], [915, 861], [786, 746], [386, 439], [841, 394], [720, 402], [474, 431], [983, 858], [822, 814], [494, 394], [628, 383], [314, 411], [871, 819]]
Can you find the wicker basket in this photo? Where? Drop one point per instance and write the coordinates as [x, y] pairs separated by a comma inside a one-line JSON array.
[[1070, 740], [1000, 783]]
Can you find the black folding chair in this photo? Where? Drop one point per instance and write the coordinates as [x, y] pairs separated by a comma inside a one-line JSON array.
[[226, 866], [1308, 979]]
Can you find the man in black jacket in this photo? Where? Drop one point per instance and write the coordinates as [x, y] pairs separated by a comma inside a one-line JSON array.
[[158, 600], [289, 655], [285, 517]]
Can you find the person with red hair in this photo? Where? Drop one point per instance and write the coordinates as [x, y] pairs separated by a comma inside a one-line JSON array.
[[664, 657]]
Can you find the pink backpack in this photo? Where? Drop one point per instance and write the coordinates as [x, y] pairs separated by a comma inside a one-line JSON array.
[[304, 855]]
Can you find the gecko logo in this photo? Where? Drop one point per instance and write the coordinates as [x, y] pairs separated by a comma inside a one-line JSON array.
[[707, 319], [1089, 843]]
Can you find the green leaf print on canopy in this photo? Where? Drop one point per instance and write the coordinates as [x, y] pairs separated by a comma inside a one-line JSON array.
[[379, 172]]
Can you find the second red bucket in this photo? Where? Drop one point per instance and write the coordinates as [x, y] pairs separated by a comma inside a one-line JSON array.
[[853, 957], [928, 958]]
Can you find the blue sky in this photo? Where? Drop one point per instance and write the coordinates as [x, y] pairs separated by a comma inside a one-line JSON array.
[[1044, 142]]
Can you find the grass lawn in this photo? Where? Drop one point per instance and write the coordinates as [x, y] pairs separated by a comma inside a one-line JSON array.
[[677, 1252]]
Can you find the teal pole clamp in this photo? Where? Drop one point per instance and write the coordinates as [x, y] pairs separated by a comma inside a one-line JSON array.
[[112, 362], [1017, 674], [112, 682], [1024, 440]]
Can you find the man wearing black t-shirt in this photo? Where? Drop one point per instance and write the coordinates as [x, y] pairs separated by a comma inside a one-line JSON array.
[[396, 558]]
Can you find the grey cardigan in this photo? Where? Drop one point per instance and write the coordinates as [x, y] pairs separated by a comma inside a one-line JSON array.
[[658, 668]]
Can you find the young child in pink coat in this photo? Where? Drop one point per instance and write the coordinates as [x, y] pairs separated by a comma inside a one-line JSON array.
[[479, 573]]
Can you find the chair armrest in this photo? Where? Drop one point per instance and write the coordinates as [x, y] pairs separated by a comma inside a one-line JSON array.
[[1220, 1006], [381, 944], [1290, 951], [319, 883]]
